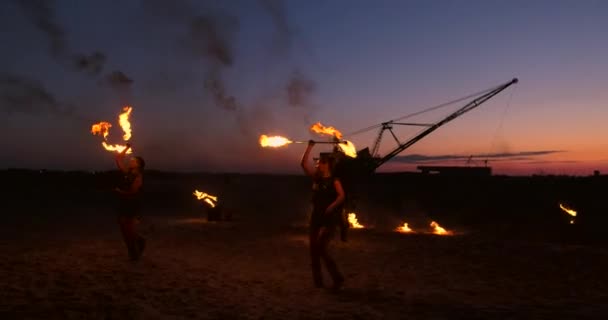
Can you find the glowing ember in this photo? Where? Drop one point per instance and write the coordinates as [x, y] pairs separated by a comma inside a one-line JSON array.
[[404, 228], [437, 229], [274, 141], [319, 128], [348, 148], [207, 198], [123, 120], [571, 212], [102, 128], [352, 220]]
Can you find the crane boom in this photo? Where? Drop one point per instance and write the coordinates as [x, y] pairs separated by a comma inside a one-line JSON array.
[[468, 107]]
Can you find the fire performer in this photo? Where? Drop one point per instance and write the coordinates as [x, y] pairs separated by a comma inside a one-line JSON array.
[[328, 197], [129, 194]]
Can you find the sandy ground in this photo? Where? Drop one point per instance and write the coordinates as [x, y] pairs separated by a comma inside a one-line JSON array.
[[77, 268]]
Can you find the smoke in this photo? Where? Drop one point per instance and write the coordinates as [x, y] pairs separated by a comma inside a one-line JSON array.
[[215, 86], [41, 14], [278, 13], [121, 84], [299, 89], [22, 95], [92, 64]]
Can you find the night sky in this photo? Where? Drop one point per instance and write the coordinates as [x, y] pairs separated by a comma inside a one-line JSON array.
[[207, 78]]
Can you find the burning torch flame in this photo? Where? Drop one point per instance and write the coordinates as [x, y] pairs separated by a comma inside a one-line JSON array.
[[319, 128], [352, 220], [209, 199], [348, 148], [437, 229], [404, 228], [274, 141], [123, 120], [102, 128], [568, 211]]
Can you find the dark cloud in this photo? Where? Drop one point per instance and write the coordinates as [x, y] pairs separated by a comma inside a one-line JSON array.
[[515, 156]]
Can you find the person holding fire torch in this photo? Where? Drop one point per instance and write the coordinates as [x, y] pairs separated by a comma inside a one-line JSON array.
[[129, 193], [328, 197]]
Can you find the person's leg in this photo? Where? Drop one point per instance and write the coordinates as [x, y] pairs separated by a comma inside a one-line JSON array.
[[127, 228], [315, 258], [325, 236]]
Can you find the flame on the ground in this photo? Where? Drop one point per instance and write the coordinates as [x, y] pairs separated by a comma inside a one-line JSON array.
[[404, 228], [352, 220], [123, 120], [207, 198], [102, 128], [437, 229], [348, 148], [571, 212], [274, 141], [319, 128]]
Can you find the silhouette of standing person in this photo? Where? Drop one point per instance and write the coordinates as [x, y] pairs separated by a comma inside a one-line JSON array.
[[129, 194], [328, 197]]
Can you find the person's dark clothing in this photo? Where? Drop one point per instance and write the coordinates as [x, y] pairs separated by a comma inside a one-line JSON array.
[[128, 217], [322, 228]]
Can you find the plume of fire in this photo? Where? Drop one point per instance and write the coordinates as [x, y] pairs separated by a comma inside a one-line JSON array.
[[321, 129], [571, 212], [103, 128], [207, 198], [404, 228], [352, 220], [125, 124], [274, 141], [347, 147], [437, 229]]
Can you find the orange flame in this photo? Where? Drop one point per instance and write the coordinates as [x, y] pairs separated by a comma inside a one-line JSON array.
[[437, 229], [207, 198], [115, 147], [102, 128], [571, 212], [123, 120], [404, 228], [348, 148], [274, 141], [319, 128], [352, 220]]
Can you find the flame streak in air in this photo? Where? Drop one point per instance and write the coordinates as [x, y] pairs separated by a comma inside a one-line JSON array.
[[437, 229], [352, 220], [404, 228], [103, 128], [319, 128], [207, 198], [274, 141], [571, 212], [123, 120], [347, 147]]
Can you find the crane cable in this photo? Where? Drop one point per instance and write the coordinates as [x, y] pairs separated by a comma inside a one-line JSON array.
[[422, 111]]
